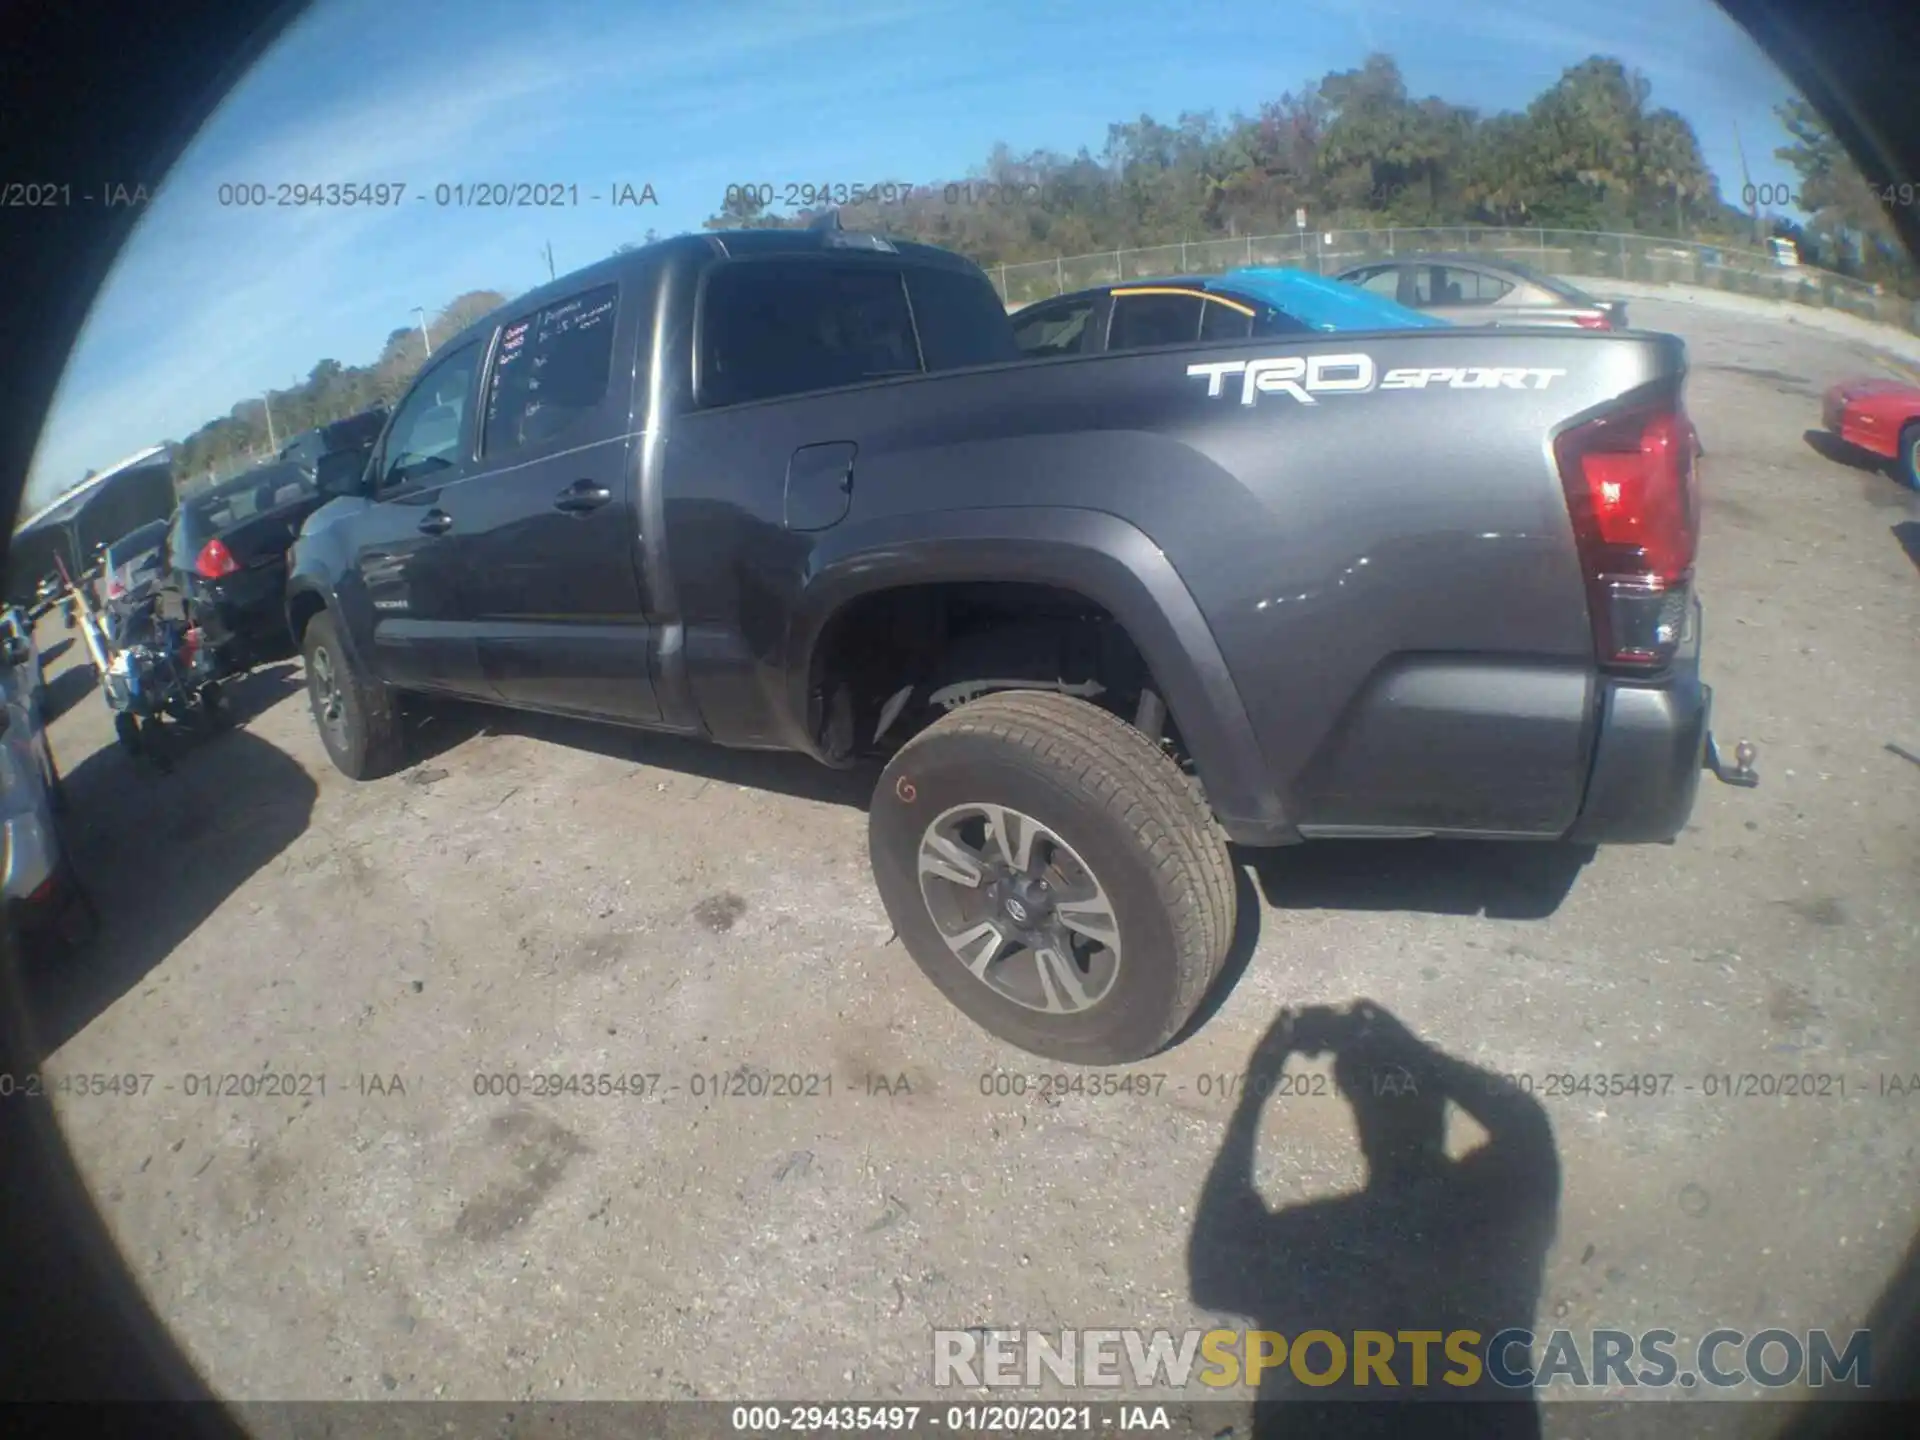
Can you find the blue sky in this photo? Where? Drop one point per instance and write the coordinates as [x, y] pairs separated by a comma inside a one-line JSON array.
[[210, 304]]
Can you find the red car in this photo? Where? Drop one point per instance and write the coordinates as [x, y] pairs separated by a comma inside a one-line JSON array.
[[1881, 417]]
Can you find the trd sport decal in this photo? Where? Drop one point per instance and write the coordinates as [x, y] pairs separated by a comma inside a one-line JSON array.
[[1304, 377]]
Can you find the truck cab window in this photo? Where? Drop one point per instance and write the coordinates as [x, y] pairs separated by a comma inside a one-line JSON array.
[[772, 328], [425, 437], [551, 368], [960, 318]]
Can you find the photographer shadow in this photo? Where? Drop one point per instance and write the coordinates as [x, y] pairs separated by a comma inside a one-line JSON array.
[[1430, 1244]]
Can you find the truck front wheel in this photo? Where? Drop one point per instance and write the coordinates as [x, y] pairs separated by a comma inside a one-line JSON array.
[[1055, 875], [356, 715]]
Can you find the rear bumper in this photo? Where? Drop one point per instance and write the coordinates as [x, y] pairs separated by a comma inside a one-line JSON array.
[[58, 913], [1653, 741], [248, 608], [1858, 430]]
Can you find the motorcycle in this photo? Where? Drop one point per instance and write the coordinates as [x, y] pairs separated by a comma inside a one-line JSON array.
[[158, 667]]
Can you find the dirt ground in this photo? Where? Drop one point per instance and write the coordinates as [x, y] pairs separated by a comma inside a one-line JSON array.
[[535, 898]]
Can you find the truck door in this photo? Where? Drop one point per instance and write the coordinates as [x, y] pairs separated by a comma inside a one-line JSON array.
[[547, 527], [403, 589]]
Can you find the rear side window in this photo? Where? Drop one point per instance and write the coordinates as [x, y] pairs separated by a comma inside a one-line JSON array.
[[1270, 321], [1142, 320], [784, 327], [1480, 288], [961, 319], [1223, 321], [1054, 329], [1448, 285], [550, 369]]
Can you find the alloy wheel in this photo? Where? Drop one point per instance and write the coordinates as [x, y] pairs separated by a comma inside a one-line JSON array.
[[1019, 908]]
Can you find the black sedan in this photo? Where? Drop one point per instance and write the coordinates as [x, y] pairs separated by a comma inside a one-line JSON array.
[[226, 548], [226, 561]]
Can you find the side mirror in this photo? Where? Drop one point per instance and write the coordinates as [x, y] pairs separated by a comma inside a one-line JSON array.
[[342, 473]]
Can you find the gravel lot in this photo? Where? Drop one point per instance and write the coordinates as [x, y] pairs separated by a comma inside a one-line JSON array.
[[538, 897]]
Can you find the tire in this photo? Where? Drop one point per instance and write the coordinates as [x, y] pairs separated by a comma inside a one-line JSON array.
[[210, 710], [1906, 464], [1116, 820], [155, 744], [357, 718]]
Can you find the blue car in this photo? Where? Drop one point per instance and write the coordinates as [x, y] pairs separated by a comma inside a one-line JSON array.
[[1239, 305]]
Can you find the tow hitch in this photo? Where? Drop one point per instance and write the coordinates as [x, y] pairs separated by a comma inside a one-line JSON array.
[[1741, 772]]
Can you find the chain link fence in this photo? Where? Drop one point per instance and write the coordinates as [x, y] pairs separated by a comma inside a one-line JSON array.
[[1575, 254]]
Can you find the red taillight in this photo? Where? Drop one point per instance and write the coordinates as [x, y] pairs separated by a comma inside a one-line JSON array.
[[215, 561], [1629, 482], [1593, 322]]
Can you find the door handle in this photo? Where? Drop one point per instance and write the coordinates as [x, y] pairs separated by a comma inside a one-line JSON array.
[[581, 496], [437, 522]]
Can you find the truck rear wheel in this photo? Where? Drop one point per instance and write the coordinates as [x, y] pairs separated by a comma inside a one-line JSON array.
[[1055, 875], [356, 716]]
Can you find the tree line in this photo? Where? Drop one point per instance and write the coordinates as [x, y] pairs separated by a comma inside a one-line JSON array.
[[1356, 150], [1353, 150]]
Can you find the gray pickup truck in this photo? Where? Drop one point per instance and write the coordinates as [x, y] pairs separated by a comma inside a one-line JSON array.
[[1099, 615]]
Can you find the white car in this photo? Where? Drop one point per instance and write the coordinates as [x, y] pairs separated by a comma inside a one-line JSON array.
[[42, 895]]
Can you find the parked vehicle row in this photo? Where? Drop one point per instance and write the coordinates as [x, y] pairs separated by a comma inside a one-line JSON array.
[[1096, 608], [184, 602], [1241, 304], [1409, 292]]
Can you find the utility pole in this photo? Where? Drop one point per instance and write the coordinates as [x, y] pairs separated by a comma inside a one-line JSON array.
[[425, 339], [266, 398], [1747, 190]]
